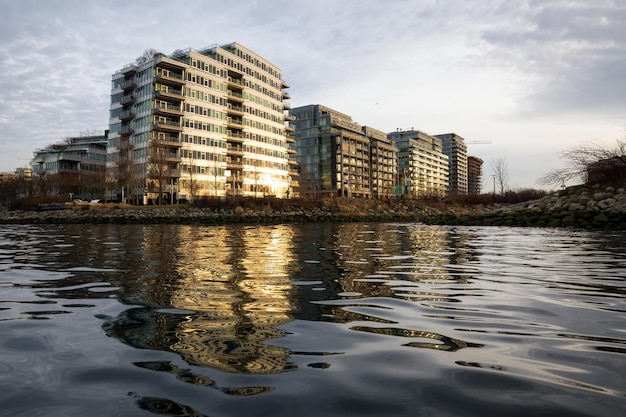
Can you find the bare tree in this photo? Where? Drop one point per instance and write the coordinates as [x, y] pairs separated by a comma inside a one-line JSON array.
[[159, 169], [500, 170], [147, 55], [580, 158], [124, 171], [192, 185]]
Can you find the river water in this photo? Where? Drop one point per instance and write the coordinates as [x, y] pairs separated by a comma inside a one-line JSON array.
[[352, 319]]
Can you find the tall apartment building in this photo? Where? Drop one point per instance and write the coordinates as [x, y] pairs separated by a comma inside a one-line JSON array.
[[422, 165], [75, 166], [207, 122], [474, 175], [454, 146], [383, 163], [335, 155]]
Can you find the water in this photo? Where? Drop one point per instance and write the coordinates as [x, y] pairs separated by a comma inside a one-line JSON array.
[[311, 320]]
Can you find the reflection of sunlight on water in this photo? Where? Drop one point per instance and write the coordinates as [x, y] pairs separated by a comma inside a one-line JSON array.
[[339, 303], [239, 287]]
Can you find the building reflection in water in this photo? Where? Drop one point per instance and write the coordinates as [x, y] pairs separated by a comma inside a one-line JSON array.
[[236, 280], [217, 295]]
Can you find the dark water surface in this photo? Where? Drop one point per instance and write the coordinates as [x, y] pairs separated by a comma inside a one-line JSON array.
[[311, 320]]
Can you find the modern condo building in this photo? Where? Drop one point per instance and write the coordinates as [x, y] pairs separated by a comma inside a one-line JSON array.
[[454, 146], [73, 167], [339, 157], [423, 167], [474, 175], [207, 122]]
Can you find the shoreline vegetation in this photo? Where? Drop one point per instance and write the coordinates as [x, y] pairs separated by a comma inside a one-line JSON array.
[[575, 207]]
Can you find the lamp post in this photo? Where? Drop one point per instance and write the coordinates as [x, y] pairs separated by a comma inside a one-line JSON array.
[[494, 185]]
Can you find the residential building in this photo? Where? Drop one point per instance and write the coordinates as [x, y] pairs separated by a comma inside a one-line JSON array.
[[335, 156], [383, 163], [454, 146], [75, 167], [207, 122], [422, 165], [474, 175]]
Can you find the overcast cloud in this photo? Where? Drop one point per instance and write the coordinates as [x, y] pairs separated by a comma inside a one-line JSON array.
[[532, 77]]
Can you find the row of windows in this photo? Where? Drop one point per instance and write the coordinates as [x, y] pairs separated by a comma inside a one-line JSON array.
[[200, 140], [209, 127], [264, 151], [256, 62], [204, 111], [265, 164], [204, 156]]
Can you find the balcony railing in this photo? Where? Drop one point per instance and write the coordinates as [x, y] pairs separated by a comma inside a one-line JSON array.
[[167, 125], [127, 99], [169, 109], [238, 110], [127, 115], [234, 150], [234, 165], [170, 79], [234, 136], [234, 123], [128, 85], [172, 141], [126, 131], [235, 96], [171, 93]]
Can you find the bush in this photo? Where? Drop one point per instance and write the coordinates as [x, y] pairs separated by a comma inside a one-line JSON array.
[[32, 203]]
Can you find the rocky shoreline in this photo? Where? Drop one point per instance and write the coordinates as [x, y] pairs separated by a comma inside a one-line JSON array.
[[95, 214], [576, 207]]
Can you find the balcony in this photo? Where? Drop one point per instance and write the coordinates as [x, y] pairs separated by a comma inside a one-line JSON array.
[[286, 95], [232, 123], [234, 165], [168, 110], [288, 117], [234, 150], [167, 126], [127, 100], [234, 136], [235, 83], [286, 106], [168, 140], [165, 158], [236, 110], [129, 69], [233, 96], [127, 115], [128, 85], [170, 79], [170, 94], [126, 130]]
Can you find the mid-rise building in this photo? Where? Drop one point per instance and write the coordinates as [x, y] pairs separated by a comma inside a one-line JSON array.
[[75, 166], [474, 175], [207, 122], [454, 146], [383, 163], [335, 155], [423, 167]]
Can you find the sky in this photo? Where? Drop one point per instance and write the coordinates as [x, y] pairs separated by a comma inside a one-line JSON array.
[[525, 79]]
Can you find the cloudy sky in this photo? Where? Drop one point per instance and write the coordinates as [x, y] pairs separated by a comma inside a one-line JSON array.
[[533, 77]]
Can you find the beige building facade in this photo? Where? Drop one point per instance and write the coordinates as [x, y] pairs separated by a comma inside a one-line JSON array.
[[423, 167], [199, 123]]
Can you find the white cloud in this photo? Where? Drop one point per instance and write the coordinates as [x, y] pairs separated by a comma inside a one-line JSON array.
[[534, 77]]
